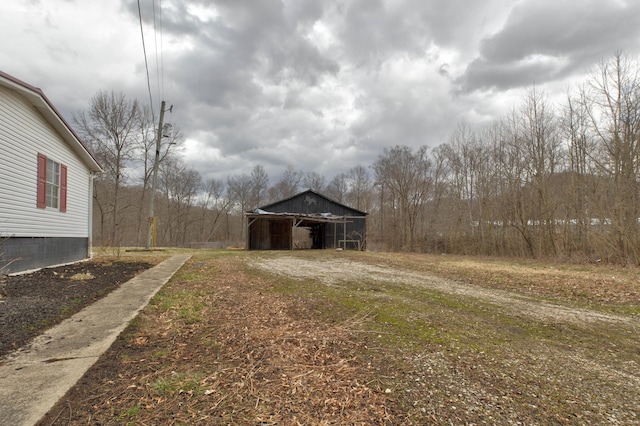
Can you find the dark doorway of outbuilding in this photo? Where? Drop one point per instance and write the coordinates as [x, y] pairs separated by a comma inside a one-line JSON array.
[[309, 236], [317, 233]]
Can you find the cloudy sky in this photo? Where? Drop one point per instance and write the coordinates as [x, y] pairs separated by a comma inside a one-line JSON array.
[[318, 85]]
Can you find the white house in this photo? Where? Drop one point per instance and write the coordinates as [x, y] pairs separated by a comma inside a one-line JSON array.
[[46, 182]]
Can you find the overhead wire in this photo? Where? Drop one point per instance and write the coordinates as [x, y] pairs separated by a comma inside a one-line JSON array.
[[146, 62], [161, 52], [155, 39]]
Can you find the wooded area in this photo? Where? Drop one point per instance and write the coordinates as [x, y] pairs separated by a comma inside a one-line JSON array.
[[547, 180]]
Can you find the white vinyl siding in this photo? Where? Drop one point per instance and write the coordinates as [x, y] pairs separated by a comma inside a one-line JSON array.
[[23, 134]]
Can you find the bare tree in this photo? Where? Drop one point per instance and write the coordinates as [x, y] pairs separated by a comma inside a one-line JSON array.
[[180, 186], [146, 148], [581, 201], [213, 205], [145, 157], [406, 175], [613, 102], [511, 165], [287, 186], [487, 179], [111, 127], [436, 212], [314, 181], [259, 186], [460, 155], [543, 158], [338, 187], [360, 188], [240, 192]]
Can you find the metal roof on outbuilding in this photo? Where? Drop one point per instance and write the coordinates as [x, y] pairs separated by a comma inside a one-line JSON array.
[[310, 201]]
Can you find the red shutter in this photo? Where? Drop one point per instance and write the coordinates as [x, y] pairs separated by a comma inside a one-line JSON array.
[[63, 188], [41, 197]]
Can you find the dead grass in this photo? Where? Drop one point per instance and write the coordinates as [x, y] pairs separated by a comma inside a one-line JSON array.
[[231, 341], [600, 284], [81, 276]]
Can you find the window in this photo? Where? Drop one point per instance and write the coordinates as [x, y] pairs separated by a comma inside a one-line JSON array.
[[52, 184]]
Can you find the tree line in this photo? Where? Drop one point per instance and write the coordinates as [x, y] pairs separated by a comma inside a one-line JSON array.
[[546, 180]]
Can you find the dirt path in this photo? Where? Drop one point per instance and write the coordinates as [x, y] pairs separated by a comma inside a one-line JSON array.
[[336, 270]]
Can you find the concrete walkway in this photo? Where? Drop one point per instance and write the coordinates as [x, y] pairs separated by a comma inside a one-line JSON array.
[[35, 377]]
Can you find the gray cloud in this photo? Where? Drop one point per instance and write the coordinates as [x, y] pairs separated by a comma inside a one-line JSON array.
[[548, 40], [318, 85], [245, 63]]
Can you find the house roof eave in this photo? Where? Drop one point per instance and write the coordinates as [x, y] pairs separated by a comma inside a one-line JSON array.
[[39, 100]]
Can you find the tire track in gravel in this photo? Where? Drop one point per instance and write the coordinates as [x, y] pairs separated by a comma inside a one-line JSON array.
[[336, 270]]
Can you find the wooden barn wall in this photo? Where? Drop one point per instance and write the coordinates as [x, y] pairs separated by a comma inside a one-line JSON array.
[[259, 237], [270, 234], [281, 231]]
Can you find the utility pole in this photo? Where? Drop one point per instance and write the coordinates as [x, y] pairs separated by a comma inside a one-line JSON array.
[[154, 184]]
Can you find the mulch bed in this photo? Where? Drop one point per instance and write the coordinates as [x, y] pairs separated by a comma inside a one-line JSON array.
[[31, 303]]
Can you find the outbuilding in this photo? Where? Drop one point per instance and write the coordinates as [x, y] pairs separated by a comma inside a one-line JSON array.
[[308, 220], [46, 182]]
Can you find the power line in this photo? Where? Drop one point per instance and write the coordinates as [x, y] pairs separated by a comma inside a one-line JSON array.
[[146, 63], [161, 52], [155, 38]]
